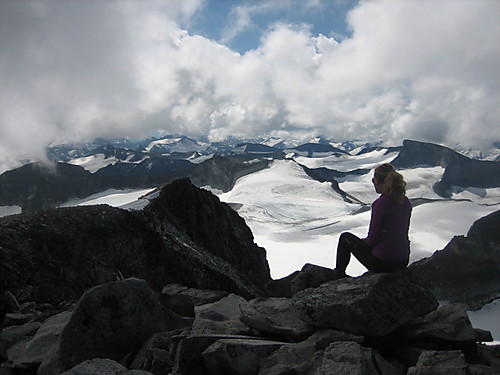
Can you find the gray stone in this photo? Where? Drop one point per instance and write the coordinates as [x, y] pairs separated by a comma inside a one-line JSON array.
[[97, 366], [14, 334], [111, 321], [221, 317], [277, 318], [349, 358], [224, 327], [373, 304], [447, 323], [303, 357], [188, 352], [228, 307], [310, 276], [197, 296], [237, 356], [43, 342], [440, 363]]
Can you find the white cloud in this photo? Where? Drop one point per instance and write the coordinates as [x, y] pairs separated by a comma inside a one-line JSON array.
[[411, 69]]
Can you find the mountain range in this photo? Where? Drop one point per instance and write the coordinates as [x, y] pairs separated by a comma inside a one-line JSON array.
[[78, 171]]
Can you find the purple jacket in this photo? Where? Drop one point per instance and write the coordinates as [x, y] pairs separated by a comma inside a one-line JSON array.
[[388, 232]]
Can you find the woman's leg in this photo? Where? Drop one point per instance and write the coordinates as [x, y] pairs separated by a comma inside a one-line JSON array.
[[351, 244]]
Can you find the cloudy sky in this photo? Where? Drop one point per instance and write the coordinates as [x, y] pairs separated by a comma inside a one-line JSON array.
[[373, 70]]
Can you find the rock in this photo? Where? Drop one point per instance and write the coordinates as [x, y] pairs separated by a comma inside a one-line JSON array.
[[188, 351], [14, 334], [310, 276], [304, 357], [275, 318], [440, 363], [222, 317], [111, 321], [154, 356], [447, 323], [214, 226], [237, 356], [69, 250], [227, 307], [101, 366], [96, 367], [186, 236], [373, 304], [197, 296], [43, 342], [280, 287], [348, 357], [467, 270], [178, 303]]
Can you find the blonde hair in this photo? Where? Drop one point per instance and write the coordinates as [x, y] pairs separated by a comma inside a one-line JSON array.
[[391, 181]]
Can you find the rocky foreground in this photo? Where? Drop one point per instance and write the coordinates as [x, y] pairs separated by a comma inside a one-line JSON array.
[[181, 288]]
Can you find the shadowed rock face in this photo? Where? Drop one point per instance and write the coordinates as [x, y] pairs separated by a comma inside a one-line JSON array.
[[39, 186], [466, 173], [187, 236], [460, 170], [467, 269], [415, 154], [214, 226]]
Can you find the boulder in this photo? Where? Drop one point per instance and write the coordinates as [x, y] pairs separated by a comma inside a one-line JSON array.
[[14, 334], [310, 276], [348, 357], [467, 270], [99, 366], [440, 363], [237, 356], [187, 352], [222, 317], [374, 304], [303, 357], [276, 318], [447, 323], [43, 341], [111, 321], [197, 296]]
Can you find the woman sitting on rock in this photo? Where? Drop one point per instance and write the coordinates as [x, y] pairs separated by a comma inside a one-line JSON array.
[[387, 247]]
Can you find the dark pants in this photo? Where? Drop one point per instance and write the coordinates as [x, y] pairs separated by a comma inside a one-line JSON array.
[[351, 244]]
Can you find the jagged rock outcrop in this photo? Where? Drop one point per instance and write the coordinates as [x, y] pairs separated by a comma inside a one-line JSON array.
[[467, 270], [187, 236], [200, 216]]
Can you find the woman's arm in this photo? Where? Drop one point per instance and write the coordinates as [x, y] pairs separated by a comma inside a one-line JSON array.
[[375, 227]]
